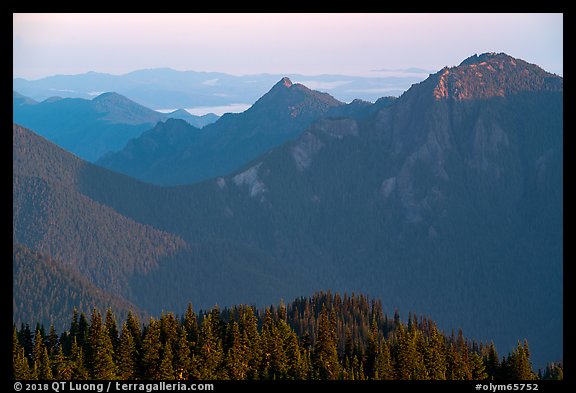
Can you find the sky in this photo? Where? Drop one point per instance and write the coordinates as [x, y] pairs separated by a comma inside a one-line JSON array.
[[308, 44]]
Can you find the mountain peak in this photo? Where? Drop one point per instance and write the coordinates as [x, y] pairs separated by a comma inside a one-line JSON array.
[[492, 74], [52, 99], [110, 96], [294, 98], [477, 59], [19, 99], [285, 82], [114, 102], [180, 112]]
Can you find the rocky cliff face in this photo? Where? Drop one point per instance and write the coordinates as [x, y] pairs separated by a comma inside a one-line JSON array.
[[472, 125]]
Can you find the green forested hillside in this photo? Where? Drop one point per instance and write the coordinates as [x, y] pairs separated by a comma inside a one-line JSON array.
[[56, 212], [52, 217], [57, 290]]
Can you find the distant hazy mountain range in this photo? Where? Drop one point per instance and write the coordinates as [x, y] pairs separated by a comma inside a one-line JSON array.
[[177, 153], [446, 201], [164, 88], [91, 128]]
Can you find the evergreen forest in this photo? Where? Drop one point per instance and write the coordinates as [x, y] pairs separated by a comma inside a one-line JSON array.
[[323, 337]]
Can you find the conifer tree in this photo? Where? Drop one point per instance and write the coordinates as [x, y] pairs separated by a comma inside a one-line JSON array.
[[348, 344], [191, 326], [346, 369], [492, 362], [45, 369], [133, 324], [21, 367], [51, 340], [404, 353], [38, 348], [297, 369], [16, 346], [383, 366], [151, 351], [65, 341], [74, 327], [248, 324], [236, 364], [434, 354], [553, 371], [40, 328], [478, 368], [291, 349], [418, 342], [127, 355], [27, 340], [62, 369], [112, 329], [274, 360], [169, 329], [307, 367], [182, 361], [451, 361], [506, 370], [166, 370], [520, 366], [528, 365], [361, 375], [19, 362], [218, 326], [41, 363], [83, 327], [210, 355], [100, 353], [463, 370], [326, 363], [79, 372], [372, 351]]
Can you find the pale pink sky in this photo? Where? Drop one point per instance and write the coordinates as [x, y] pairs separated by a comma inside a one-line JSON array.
[[310, 44]]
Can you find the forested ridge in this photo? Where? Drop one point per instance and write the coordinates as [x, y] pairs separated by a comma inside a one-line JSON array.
[[57, 290], [323, 337]]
